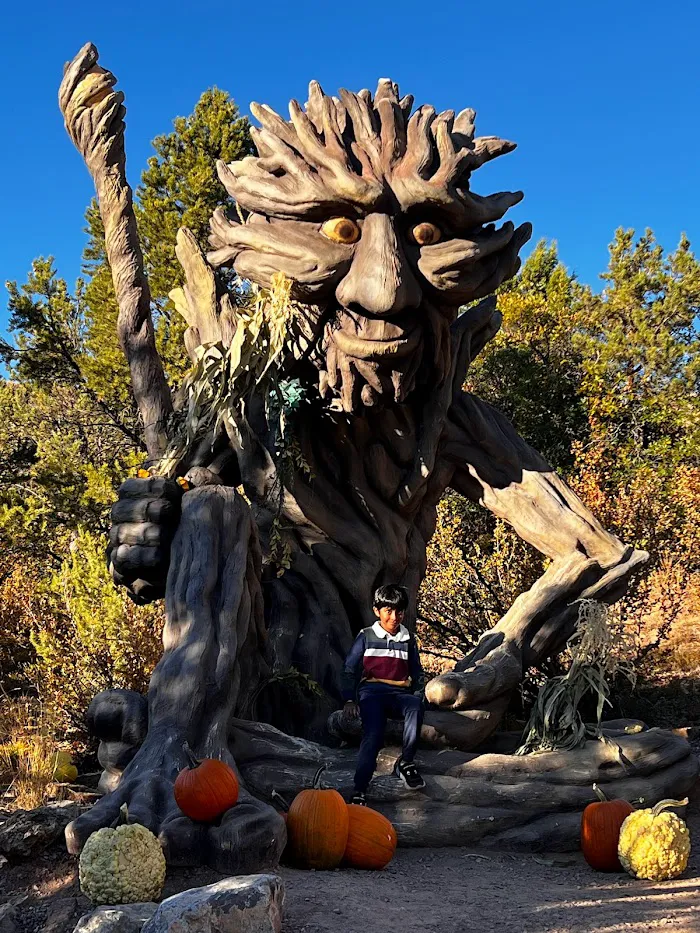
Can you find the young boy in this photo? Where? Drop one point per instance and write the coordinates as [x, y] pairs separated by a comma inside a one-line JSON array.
[[383, 675]]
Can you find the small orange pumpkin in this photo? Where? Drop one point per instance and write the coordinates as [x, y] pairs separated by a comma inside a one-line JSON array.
[[317, 827], [205, 789], [371, 839], [600, 831]]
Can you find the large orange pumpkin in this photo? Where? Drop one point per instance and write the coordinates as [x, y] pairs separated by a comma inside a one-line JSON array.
[[371, 839], [205, 789], [317, 827], [600, 831]]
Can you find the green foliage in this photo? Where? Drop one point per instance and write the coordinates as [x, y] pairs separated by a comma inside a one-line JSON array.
[[60, 463], [641, 354], [88, 636], [50, 325], [531, 370]]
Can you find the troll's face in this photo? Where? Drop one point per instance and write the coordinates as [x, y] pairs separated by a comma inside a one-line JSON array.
[[367, 209]]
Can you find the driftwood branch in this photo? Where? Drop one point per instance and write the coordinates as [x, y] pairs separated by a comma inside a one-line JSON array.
[[94, 118]]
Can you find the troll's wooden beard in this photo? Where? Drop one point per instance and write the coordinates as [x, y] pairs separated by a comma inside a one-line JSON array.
[[376, 360]]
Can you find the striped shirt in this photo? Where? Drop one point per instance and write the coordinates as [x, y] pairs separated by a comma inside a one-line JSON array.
[[379, 657]]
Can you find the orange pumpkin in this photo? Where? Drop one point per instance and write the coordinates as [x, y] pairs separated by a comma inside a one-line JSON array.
[[205, 789], [600, 831], [317, 827], [371, 839]]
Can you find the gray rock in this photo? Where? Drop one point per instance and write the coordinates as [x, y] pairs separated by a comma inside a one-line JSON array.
[[241, 904], [9, 914], [8, 919], [124, 918], [61, 915], [27, 832]]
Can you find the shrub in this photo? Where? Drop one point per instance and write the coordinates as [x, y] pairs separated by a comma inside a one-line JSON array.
[[89, 637]]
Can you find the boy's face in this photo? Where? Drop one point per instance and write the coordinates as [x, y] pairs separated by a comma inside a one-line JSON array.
[[389, 619]]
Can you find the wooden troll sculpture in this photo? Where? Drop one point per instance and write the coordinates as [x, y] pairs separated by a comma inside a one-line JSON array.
[[366, 207]]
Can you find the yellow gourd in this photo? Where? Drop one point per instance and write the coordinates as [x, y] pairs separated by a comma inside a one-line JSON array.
[[123, 864], [655, 844]]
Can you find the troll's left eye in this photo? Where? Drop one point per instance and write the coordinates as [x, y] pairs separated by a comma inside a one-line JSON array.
[[341, 230], [426, 234]]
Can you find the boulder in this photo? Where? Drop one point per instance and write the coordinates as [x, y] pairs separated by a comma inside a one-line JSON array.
[[61, 915], [27, 832], [8, 919], [124, 918], [241, 904], [9, 914]]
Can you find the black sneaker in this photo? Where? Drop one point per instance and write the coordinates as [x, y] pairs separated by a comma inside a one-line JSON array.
[[359, 800], [408, 774]]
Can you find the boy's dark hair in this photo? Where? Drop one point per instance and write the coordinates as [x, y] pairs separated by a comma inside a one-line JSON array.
[[392, 596]]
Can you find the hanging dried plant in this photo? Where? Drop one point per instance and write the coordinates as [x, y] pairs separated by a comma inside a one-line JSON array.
[[223, 377], [555, 721]]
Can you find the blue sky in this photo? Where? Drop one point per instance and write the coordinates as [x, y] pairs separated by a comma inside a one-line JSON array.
[[602, 98]]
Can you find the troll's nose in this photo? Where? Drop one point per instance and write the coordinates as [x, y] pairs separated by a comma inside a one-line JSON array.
[[380, 279]]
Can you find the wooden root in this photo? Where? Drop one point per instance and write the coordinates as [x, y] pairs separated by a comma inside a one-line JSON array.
[[530, 803]]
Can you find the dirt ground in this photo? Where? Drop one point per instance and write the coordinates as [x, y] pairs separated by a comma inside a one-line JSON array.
[[450, 890]]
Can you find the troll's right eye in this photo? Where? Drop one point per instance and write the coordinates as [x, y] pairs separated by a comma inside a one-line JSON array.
[[426, 234], [341, 230]]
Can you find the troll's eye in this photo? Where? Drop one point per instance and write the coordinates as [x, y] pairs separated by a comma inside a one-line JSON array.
[[341, 230], [426, 234]]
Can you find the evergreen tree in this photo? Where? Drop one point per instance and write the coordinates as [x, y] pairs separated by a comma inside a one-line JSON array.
[[640, 354], [180, 188], [531, 370]]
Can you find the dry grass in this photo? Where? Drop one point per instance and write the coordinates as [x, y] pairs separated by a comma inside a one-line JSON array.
[[29, 756]]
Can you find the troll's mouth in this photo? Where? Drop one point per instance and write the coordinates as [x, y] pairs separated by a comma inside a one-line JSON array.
[[374, 339], [370, 360]]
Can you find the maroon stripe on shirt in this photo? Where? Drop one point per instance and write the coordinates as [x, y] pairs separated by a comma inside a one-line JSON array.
[[385, 668]]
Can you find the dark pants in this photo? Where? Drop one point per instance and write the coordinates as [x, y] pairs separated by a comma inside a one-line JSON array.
[[377, 701]]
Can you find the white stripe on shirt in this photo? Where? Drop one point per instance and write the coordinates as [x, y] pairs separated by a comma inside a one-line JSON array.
[[387, 653]]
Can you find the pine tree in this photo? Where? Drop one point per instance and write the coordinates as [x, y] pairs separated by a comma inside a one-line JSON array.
[[640, 349], [531, 370]]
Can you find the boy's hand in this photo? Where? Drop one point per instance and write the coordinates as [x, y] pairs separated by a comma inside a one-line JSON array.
[[351, 709]]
